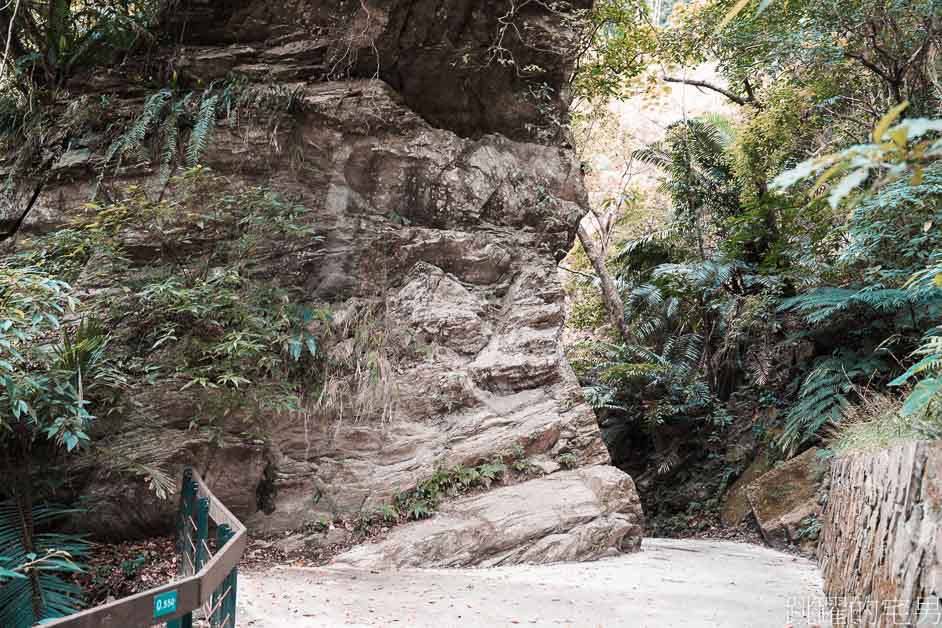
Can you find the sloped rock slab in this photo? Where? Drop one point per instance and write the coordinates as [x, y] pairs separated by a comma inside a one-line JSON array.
[[567, 516], [785, 496], [736, 507]]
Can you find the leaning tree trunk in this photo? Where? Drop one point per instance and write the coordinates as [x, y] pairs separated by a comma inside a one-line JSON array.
[[611, 298]]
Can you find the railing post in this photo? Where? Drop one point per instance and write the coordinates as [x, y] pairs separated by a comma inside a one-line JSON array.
[[223, 534], [202, 532], [183, 510], [185, 513], [181, 622], [190, 527], [231, 600]]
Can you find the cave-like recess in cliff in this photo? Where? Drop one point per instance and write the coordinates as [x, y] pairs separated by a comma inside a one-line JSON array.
[[470, 66]]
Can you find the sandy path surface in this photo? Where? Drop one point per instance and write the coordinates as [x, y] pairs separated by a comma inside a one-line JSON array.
[[669, 583]]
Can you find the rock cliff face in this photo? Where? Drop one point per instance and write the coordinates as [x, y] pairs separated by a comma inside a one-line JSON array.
[[423, 135], [881, 543]]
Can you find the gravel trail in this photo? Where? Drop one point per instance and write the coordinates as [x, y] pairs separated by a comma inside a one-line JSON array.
[[670, 583]]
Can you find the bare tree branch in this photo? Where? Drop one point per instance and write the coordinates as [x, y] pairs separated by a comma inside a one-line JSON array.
[[739, 100]]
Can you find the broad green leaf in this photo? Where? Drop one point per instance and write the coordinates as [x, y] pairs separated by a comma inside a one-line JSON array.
[[891, 116], [294, 348], [917, 127], [846, 185], [915, 369], [9, 573], [921, 396]]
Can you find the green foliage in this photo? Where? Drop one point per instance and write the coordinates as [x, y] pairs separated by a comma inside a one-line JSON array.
[[704, 298], [35, 564], [824, 304], [843, 52], [520, 463], [587, 312], [809, 528], [876, 423], [923, 402], [617, 43], [698, 179], [889, 250], [156, 131], [567, 460], [53, 373], [211, 321], [895, 151], [49, 41], [825, 394], [696, 326], [884, 247], [424, 500]]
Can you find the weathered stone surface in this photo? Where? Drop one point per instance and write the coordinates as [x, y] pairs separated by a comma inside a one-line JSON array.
[[573, 515], [469, 66], [444, 198], [785, 496], [881, 544], [735, 506], [471, 278]]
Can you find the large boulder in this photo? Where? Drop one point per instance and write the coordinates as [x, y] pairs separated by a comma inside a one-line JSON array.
[[785, 499], [568, 516], [447, 248], [735, 506]]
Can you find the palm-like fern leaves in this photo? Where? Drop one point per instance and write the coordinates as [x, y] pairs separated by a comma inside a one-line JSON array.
[[40, 593], [824, 394], [161, 119], [202, 128], [822, 305]]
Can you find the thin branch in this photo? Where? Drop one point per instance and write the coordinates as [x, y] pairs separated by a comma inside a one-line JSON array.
[[578, 272], [6, 51], [739, 100]]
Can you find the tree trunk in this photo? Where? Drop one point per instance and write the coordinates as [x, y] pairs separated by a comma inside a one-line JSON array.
[[611, 298]]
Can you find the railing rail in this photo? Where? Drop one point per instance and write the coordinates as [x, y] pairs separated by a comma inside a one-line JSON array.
[[209, 579]]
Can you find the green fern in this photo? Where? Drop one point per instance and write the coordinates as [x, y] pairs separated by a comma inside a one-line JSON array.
[[824, 394], [169, 135], [160, 120], [202, 129], [601, 398], [132, 140], [43, 558], [824, 305]]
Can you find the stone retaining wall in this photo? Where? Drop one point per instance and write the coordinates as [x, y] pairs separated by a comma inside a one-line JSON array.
[[881, 545]]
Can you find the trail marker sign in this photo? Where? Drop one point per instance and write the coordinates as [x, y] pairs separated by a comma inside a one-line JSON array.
[[165, 604]]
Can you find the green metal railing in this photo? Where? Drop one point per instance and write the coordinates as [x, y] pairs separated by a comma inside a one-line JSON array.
[[210, 542]]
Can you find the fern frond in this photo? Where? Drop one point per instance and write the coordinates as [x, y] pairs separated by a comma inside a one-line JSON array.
[[654, 155], [202, 129], [824, 395], [44, 593], [133, 138]]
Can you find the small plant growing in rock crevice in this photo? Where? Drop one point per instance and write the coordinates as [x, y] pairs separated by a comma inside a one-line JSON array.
[[809, 529], [567, 460], [424, 500], [520, 463]]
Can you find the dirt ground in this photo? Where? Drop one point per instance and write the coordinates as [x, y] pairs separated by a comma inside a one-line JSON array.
[[670, 583]]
